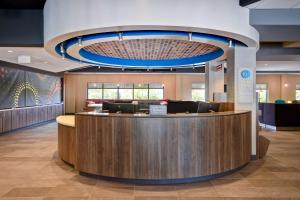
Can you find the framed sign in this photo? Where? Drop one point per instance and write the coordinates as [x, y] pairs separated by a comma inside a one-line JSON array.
[[158, 110], [245, 86]]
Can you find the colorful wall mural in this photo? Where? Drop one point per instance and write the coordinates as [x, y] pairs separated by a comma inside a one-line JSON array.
[[19, 88]]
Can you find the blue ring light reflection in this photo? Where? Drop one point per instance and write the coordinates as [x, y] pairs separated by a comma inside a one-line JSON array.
[[96, 59]]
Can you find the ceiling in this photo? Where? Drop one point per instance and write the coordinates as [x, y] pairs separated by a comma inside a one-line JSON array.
[[276, 4], [282, 66], [40, 59], [150, 49], [22, 4]]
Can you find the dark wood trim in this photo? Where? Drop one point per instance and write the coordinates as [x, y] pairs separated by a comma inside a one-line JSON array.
[[163, 181]]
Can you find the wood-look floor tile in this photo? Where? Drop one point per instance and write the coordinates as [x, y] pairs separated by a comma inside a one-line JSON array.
[[157, 191], [31, 169], [28, 192]]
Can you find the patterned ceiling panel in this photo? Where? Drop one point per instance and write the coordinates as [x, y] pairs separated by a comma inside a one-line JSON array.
[[151, 49]]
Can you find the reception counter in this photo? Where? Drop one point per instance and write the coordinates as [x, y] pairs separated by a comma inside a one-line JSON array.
[[175, 148]]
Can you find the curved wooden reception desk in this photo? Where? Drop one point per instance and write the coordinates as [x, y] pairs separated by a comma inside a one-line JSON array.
[[161, 149], [66, 138]]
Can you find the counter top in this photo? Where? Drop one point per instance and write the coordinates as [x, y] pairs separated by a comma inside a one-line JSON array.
[[179, 115], [66, 120]]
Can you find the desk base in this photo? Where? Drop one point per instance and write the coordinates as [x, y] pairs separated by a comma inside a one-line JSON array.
[[163, 181]]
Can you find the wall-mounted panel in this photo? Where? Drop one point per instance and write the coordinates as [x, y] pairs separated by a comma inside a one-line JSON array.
[[42, 89], [21, 88], [12, 87]]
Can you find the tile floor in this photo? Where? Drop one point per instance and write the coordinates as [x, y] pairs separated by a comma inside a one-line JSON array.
[[30, 169]]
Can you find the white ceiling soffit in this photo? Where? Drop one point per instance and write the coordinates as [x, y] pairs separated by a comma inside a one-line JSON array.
[[275, 4], [40, 59], [278, 66]]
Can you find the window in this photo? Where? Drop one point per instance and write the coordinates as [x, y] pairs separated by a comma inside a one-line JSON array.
[[298, 92], [110, 91], [156, 91], [141, 91], [153, 91], [198, 92], [126, 91], [94, 90], [262, 90]]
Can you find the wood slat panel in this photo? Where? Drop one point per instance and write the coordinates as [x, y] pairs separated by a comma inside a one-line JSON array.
[[66, 143], [43, 114], [6, 120], [162, 148], [18, 118], [1, 122]]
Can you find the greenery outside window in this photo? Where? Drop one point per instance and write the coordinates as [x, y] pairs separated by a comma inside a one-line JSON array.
[[262, 90], [141, 92], [198, 92], [110, 91], [94, 91], [156, 91], [298, 92], [128, 91]]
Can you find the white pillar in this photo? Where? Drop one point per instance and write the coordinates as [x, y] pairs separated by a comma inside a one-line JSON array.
[[241, 71], [214, 79]]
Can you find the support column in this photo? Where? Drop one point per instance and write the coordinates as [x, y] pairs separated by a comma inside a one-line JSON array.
[[214, 79], [241, 71]]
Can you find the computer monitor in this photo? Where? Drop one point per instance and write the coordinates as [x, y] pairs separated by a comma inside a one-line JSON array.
[[207, 107], [182, 107], [142, 107], [120, 108], [105, 106]]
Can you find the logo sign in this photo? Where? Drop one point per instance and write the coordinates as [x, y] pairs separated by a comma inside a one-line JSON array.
[[158, 110], [246, 74], [245, 86]]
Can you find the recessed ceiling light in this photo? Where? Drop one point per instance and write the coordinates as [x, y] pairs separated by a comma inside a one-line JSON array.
[[10, 51]]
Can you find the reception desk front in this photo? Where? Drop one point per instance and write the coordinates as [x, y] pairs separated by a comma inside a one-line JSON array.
[[175, 148]]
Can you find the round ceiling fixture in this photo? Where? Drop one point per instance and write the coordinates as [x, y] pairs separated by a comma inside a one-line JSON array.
[[144, 49]]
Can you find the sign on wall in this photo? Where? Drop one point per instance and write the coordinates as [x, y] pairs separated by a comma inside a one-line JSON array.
[[245, 86]]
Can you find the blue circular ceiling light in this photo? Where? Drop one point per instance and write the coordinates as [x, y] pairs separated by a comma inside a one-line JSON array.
[[145, 49]]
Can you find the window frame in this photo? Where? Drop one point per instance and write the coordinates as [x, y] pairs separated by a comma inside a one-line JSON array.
[[297, 84], [266, 89], [198, 89], [147, 86]]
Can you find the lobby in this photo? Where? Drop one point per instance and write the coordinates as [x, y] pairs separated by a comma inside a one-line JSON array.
[[143, 100]]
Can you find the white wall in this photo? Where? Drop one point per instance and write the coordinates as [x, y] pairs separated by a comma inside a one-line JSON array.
[[64, 19]]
